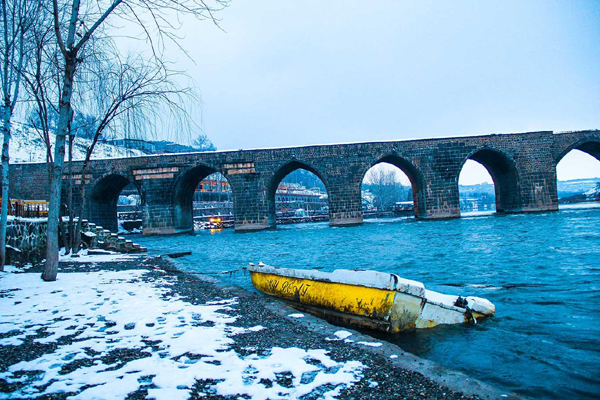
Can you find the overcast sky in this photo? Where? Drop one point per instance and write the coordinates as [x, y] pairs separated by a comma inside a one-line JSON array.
[[283, 73]]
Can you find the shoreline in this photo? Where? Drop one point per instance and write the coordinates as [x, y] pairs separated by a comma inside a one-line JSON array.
[[383, 376], [440, 375]]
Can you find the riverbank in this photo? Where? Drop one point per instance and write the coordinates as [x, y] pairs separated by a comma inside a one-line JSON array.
[[137, 327]]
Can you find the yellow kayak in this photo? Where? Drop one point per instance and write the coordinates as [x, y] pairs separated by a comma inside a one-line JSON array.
[[370, 299]]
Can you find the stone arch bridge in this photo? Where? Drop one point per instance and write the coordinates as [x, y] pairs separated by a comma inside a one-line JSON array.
[[522, 165]]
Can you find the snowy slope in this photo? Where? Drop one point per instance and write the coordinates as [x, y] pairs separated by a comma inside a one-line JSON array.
[[26, 145], [593, 194]]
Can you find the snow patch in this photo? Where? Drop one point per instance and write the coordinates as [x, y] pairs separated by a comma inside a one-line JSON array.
[[342, 334], [256, 328], [110, 311], [296, 315], [13, 269], [85, 258], [371, 344]]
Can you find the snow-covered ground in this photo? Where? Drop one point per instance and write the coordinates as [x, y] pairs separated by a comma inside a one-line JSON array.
[[84, 257], [105, 312], [26, 145]]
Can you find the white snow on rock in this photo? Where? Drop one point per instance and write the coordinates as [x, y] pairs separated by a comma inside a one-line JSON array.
[[256, 328], [371, 344], [26, 145], [342, 334], [116, 310], [296, 315], [12, 268]]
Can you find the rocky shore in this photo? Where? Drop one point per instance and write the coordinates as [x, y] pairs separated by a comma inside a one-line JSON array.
[[199, 338]]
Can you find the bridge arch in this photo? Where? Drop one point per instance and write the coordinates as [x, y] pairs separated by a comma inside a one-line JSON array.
[[503, 170], [413, 174], [279, 174], [183, 194], [572, 165], [103, 198], [589, 145]]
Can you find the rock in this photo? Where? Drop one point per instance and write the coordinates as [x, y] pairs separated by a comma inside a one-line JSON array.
[[180, 254], [97, 252]]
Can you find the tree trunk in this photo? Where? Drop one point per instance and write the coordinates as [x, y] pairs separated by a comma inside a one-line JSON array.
[[68, 243], [82, 198], [77, 240], [65, 114], [5, 184]]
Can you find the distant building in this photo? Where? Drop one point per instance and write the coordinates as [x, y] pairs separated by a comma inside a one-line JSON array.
[[213, 190], [289, 198], [145, 146], [482, 202], [214, 185], [404, 206], [164, 146]]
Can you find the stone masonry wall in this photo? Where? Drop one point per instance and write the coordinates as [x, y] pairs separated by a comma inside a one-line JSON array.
[[26, 240], [523, 167]]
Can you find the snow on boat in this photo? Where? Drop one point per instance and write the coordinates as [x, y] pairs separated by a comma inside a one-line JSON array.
[[371, 299]]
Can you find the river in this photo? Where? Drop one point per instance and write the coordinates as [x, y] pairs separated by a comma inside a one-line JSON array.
[[542, 271]]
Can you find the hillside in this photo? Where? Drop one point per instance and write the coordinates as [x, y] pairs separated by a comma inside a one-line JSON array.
[[579, 190], [27, 145], [577, 186]]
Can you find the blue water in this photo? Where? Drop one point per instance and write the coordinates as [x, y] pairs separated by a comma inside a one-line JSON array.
[[542, 271]]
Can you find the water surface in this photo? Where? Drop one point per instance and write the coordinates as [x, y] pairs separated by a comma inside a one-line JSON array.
[[542, 271]]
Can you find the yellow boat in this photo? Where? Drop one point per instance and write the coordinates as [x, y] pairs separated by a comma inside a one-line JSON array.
[[370, 299]]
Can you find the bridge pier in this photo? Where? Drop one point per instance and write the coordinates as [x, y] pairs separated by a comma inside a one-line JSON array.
[[438, 197], [345, 202], [157, 209], [251, 207]]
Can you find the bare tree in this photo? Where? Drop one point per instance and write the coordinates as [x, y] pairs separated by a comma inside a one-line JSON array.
[[17, 17], [76, 24], [128, 92], [43, 83], [385, 186], [203, 143]]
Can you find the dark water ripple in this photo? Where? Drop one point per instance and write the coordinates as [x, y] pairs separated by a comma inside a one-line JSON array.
[[541, 270]]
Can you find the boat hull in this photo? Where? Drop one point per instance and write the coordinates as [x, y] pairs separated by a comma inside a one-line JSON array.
[[381, 306], [350, 299], [368, 307]]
